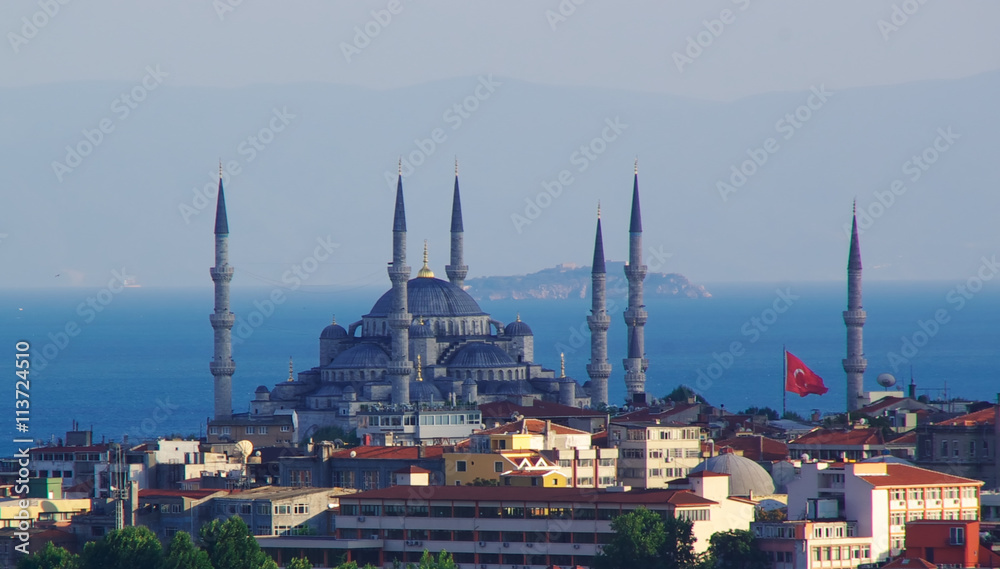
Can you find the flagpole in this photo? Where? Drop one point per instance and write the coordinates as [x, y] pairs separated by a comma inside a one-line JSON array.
[[784, 378]]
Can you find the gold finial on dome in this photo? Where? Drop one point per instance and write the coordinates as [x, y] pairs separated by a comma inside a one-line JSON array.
[[518, 316], [562, 364], [425, 271], [420, 376]]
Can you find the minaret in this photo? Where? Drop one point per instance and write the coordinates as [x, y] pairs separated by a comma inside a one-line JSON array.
[[635, 315], [400, 367], [457, 270], [598, 369], [222, 365], [854, 317]]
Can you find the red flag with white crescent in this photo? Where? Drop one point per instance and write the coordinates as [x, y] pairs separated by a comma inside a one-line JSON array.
[[800, 379]]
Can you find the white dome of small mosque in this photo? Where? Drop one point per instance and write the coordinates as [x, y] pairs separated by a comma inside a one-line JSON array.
[[745, 475]]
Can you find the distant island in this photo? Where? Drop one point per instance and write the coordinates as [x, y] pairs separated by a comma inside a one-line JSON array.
[[573, 281]]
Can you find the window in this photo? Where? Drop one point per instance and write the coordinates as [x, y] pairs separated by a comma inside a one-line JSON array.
[[213, 430], [498, 466], [285, 428], [263, 510], [244, 508], [460, 466], [286, 509], [632, 453], [304, 509], [656, 473], [262, 430], [972, 448], [898, 494], [249, 430], [606, 462], [366, 509], [227, 430], [944, 449], [916, 494], [170, 531], [954, 446], [956, 536]]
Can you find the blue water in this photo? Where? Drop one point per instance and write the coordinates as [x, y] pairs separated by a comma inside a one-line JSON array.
[[139, 367]]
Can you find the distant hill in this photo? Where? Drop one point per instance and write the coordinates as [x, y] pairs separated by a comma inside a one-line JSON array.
[[573, 281]]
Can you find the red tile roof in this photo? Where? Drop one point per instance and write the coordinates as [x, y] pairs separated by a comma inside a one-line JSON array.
[[907, 438], [756, 447], [982, 417], [532, 426], [898, 475], [389, 453], [850, 437], [909, 563], [536, 494]]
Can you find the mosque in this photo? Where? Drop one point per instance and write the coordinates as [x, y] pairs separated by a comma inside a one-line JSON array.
[[424, 342]]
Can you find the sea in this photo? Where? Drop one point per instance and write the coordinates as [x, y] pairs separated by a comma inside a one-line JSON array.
[[135, 363]]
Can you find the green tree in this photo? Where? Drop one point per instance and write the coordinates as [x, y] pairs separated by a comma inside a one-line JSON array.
[[793, 416], [735, 549], [771, 414], [678, 545], [230, 546], [123, 549], [183, 554], [442, 561], [681, 393], [49, 557], [637, 542], [303, 563]]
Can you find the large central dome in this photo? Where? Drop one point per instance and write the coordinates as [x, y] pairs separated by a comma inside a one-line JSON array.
[[427, 296]]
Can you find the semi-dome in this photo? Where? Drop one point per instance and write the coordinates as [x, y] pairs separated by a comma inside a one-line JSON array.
[[745, 475], [425, 392], [261, 389], [365, 355], [517, 328], [480, 354], [427, 296]]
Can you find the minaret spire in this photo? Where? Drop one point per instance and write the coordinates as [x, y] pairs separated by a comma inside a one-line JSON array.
[[457, 269], [598, 369], [222, 365], [400, 367], [635, 315], [854, 317]]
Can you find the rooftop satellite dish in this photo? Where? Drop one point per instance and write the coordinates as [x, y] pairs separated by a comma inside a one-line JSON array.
[[246, 448], [886, 380], [354, 453]]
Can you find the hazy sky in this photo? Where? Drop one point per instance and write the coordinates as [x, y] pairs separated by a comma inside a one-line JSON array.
[[766, 46], [720, 50]]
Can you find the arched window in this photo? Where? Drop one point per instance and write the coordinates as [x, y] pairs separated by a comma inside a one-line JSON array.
[[479, 375], [491, 374], [510, 374], [463, 328], [468, 374]]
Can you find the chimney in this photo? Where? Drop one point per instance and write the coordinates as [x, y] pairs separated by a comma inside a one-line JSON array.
[[420, 451]]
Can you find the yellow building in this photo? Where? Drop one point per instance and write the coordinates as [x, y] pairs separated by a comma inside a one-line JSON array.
[[40, 510], [463, 469], [537, 478]]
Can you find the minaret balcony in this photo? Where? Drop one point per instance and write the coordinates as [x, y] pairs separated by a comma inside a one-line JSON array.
[[599, 370], [599, 322], [222, 319], [855, 317], [399, 273], [636, 315], [635, 272], [224, 369], [404, 367], [222, 274], [400, 320], [855, 364]]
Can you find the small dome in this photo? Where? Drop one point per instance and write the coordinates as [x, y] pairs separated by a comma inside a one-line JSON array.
[[261, 389], [333, 332], [518, 328], [479, 354], [365, 355], [469, 381], [421, 330], [745, 475], [425, 391], [349, 389]]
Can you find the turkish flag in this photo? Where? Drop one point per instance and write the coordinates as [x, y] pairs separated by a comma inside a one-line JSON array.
[[800, 379]]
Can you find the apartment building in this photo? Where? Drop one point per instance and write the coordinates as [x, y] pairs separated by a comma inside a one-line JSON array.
[[880, 498], [813, 544], [964, 446], [651, 453]]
